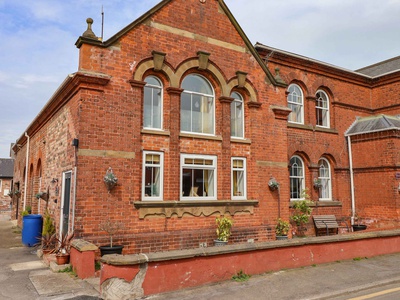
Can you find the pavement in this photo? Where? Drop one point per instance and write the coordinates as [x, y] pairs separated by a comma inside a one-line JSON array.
[[24, 276]]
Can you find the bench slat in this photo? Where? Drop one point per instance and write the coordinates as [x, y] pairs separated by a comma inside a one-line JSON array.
[[325, 222]]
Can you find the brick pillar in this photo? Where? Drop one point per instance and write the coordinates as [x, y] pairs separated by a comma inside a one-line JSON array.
[[137, 109], [171, 167], [310, 116], [224, 179]]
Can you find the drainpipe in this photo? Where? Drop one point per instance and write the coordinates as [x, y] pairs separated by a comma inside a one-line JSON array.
[[26, 169], [353, 201]]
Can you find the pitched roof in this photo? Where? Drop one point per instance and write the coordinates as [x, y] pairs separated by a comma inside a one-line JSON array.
[[374, 124], [6, 168], [382, 67]]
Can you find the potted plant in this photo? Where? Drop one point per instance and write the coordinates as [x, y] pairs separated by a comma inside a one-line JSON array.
[[48, 239], [358, 226], [223, 231], [47, 243], [63, 247], [282, 229], [110, 179], [301, 213], [111, 228]]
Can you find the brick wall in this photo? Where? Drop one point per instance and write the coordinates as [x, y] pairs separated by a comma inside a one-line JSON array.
[[102, 104]]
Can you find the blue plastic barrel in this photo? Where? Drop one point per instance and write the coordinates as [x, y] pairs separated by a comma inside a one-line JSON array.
[[31, 229]]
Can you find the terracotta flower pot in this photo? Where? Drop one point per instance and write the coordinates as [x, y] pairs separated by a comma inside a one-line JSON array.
[[62, 259]]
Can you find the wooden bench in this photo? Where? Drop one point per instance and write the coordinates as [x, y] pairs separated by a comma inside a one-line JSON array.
[[325, 224]]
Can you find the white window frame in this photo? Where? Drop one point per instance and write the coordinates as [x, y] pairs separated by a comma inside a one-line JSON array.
[[235, 122], [191, 94], [153, 89], [161, 174], [1, 184], [297, 107], [212, 167], [324, 175], [243, 194], [324, 110], [296, 178]]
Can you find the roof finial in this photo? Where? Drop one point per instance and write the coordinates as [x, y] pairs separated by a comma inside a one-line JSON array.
[[89, 32]]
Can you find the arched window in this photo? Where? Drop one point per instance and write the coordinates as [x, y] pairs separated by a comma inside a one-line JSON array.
[[197, 105], [296, 104], [237, 116], [296, 178], [153, 102], [322, 109], [324, 176]]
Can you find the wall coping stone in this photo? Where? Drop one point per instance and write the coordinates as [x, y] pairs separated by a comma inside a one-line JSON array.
[[82, 245], [134, 259]]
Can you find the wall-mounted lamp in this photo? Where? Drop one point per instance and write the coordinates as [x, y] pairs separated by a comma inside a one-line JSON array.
[[54, 180], [75, 142]]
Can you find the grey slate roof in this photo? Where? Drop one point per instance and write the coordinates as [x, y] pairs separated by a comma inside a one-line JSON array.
[[374, 124], [6, 168], [381, 68]]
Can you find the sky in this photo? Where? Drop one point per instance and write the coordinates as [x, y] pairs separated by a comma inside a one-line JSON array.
[[38, 51]]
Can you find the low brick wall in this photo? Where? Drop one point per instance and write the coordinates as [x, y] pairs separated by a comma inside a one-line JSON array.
[[134, 276]]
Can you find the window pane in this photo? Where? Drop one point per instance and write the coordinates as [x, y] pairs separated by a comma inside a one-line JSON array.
[[198, 177], [197, 105], [152, 108], [152, 176], [296, 178], [237, 121]]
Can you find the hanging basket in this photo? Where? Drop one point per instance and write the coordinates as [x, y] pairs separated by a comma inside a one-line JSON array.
[[110, 179]]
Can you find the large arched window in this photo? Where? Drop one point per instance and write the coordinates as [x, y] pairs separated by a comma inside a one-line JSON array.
[[197, 105], [296, 178], [324, 176], [322, 109], [237, 116], [152, 108], [296, 104]]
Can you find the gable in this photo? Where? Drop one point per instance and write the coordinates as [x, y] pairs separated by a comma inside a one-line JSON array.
[[210, 22]]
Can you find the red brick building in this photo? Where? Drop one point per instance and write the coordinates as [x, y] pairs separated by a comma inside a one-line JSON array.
[[6, 177], [194, 121]]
